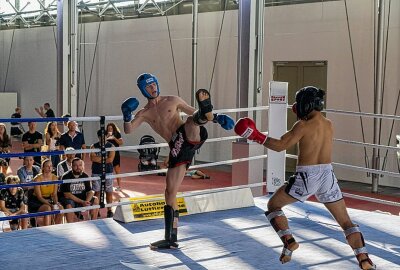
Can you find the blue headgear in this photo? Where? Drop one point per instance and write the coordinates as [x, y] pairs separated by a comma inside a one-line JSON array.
[[145, 79], [308, 99]]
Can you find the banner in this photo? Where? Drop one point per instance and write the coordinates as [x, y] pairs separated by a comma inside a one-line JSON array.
[[154, 208]]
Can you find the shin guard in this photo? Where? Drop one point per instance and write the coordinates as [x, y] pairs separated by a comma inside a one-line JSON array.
[[285, 234], [170, 232], [359, 250]]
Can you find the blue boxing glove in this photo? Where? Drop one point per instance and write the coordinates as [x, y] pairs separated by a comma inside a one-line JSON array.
[[129, 106], [224, 120]]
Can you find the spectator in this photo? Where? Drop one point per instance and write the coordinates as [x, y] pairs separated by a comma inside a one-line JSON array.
[[114, 136], [32, 141], [78, 194], [28, 171], [5, 145], [65, 165], [3, 164], [52, 136], [97, 169], [45, 196], [16, 127], [72, 138], [65, 123], [45, 111], [13, 203]]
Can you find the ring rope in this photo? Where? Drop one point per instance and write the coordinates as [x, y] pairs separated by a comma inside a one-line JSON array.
[[368, 144], [357, 168], [372, 115], [370, 199], [183, 194], [113, 176]]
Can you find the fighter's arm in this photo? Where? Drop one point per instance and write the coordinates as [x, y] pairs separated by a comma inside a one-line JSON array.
[[129, 127], [184, 107], [246, 128], [288, 139]]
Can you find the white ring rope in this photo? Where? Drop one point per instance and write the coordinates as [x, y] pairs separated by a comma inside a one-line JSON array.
[[119, 117], [216, 190], [372, 115], [368, 144], [370, 199], [357, 168], [211, 164], [228, 138]]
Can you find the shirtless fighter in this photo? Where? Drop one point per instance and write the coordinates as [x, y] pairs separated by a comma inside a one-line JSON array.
[[314, 173], [184, 138]]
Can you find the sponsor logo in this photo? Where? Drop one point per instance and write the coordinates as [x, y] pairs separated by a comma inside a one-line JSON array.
[[178, 145], [298, 192], [247, 132], [149, 80], [278, 99], [276, 181]]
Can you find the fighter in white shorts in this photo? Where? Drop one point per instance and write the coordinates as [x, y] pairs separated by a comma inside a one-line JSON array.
[[318, 180], [314, 175]]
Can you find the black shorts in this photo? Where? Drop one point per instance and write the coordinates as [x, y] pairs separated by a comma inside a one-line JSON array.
[[117, 159], [181, 149], [34, 204], [74, 204]]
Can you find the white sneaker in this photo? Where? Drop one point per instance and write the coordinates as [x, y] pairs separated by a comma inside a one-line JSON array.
[[117, 188]]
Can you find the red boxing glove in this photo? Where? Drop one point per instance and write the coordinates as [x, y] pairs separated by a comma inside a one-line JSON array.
[[246, 128]]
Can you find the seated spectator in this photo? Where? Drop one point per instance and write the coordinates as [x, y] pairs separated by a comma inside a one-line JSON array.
[[13, 203], [52, 137], [28, 171], [97, 170], [5, 143], [73, 138], [78, 194], [65, 165], [45, 111], [3, 168], [16, 127], [65, 123], [44, 197], [32, 141]]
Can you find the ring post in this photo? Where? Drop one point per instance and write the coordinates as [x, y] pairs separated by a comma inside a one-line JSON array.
[[277, 126], [103, 160]]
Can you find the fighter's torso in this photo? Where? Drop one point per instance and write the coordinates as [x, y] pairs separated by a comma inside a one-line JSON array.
[[163, 116], [315, 147]]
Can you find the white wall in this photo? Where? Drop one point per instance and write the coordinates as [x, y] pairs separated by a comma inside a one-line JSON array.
[[305, 32], [319, 32]]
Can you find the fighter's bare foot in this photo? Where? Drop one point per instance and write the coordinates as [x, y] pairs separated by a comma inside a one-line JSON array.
[[366, 263], [287, 251], [204, 99]]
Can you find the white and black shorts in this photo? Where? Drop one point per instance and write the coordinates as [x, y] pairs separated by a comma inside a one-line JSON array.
[[318, 180]]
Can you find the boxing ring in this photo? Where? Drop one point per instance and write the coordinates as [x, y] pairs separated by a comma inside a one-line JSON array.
[[232, 239], [239, 237]]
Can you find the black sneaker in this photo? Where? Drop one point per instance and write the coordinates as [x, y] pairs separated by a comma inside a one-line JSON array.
[[110, 214]]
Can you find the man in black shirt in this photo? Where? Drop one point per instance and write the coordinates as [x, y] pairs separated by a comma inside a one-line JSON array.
[[78, 194], [32, 141], [16, 127], [45, 111]]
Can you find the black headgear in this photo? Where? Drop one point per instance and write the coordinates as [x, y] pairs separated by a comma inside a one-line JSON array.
[[308, 99]]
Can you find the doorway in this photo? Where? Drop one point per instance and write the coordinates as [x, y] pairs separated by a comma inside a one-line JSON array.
[[298, 75]]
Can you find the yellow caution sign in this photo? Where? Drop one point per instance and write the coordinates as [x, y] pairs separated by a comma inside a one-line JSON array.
[[154, 208]]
